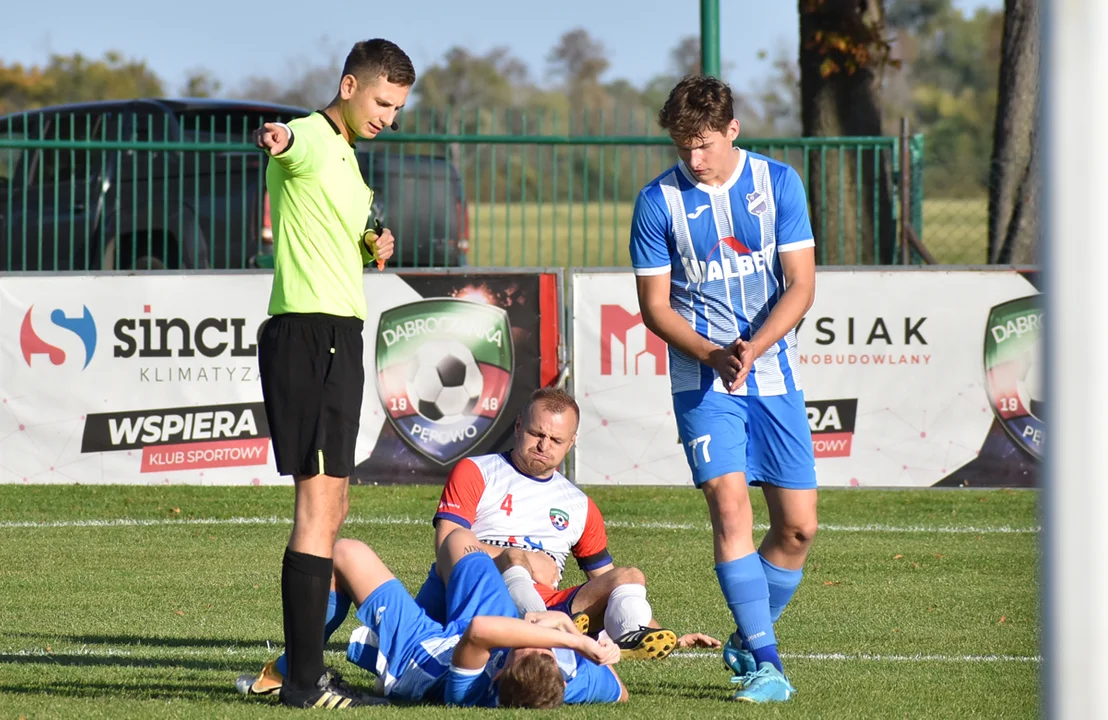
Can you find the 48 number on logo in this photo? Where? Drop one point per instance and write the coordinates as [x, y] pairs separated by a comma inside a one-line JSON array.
[[400, 404]]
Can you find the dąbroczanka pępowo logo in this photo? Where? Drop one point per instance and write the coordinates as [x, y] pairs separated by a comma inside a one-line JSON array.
[[1013, 370], [444, 371]]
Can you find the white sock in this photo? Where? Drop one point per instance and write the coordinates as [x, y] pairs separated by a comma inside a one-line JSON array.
[[522, 589], [628, 610]]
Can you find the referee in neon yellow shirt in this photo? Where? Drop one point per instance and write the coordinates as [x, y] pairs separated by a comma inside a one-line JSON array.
[[310, 351]]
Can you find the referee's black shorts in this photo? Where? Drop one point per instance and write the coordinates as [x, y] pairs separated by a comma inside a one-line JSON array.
[[312, 374]]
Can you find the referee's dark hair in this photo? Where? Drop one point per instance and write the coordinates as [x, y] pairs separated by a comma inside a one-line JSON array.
[[371, 59]]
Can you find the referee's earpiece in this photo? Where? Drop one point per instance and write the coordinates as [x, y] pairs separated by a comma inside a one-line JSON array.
[[395, 126]]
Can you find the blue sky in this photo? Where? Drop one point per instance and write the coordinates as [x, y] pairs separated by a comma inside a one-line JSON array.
[[237, 39]]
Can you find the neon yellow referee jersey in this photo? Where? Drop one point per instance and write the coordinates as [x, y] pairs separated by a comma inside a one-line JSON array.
[[318, 204]]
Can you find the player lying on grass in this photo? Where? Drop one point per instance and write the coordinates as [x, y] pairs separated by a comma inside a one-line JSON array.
[[482, 655], [530, 517]]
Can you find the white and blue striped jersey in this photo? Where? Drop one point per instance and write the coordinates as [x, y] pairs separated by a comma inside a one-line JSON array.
[[721, 246], [411, 655]]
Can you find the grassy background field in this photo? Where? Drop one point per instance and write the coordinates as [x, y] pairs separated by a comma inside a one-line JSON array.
[[595, 234], [149, 601]]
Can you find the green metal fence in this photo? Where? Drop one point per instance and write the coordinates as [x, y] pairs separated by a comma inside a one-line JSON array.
[[85, 191]]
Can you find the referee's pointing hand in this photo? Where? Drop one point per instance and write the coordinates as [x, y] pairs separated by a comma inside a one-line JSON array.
[[272, 137]]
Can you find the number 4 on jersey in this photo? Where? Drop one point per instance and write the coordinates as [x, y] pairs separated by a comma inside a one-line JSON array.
[[506, 506]]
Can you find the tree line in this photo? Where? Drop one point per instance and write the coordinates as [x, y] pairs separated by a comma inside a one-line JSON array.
[[861, 68]]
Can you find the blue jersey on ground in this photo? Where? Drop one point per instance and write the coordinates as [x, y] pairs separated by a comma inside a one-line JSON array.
[[721, 247], [411, 654], [586, 682]]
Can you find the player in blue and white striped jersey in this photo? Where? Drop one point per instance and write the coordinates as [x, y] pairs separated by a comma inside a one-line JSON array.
[[482, 654], [723, 252]]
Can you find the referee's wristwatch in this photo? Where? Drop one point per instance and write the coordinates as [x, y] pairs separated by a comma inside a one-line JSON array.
[[370, 234]]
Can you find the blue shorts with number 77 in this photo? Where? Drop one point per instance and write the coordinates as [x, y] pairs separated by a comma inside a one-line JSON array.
[[766, 437]]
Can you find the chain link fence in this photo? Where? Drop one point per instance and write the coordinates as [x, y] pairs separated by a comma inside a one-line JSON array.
[[180, 187]]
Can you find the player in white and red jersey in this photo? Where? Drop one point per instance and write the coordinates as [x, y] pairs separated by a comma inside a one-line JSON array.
[[533, 518], [507, 508]]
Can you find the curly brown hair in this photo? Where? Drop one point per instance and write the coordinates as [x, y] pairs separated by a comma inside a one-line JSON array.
[[697, 105], [532, 681], [371, 59]]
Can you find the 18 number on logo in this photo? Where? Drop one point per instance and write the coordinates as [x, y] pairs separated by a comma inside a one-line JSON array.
[[701, 443]]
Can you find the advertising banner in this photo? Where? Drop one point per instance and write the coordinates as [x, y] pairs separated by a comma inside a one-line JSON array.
[[153, 379], [911, 378]]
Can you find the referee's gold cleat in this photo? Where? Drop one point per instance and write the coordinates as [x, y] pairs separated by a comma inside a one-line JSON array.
[[267, 682], [581, 620], [647, 644]]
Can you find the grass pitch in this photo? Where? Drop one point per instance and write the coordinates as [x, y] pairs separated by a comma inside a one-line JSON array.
[[149, 601]]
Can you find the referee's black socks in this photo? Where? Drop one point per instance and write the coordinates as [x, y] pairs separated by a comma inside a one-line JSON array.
[[305, 589]]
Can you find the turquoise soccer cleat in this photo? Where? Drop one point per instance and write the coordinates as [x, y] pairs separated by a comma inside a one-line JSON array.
[[766, 684], [738, 661]]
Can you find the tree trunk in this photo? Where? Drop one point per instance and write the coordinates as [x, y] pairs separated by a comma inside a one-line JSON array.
[[1013, 173], [842, 97]]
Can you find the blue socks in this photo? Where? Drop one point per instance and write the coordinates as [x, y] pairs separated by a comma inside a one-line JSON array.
[[338, 606], [782, 585], [746, 591]]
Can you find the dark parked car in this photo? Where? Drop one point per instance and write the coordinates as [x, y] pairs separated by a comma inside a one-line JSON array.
[[81, 209]]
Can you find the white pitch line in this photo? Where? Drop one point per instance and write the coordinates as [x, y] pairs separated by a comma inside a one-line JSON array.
[[85, 651], [405, 520], [867, 657], [259, 650], [165, 522], [870, 528]]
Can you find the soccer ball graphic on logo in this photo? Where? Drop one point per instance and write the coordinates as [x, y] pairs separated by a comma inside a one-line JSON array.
[[1029, 388], [444, 382]]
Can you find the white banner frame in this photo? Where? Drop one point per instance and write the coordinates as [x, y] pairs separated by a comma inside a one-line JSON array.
[[581, 473]]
